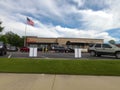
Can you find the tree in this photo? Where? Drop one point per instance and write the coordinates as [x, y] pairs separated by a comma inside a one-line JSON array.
[[1, 28], [3, 38], [14, 39], [112, 41], [11, 38]]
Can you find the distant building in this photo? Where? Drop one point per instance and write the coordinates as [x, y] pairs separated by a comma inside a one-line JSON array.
[[66, 42]]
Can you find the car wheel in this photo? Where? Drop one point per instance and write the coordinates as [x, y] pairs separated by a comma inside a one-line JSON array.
[[92, 53], [118, 55]]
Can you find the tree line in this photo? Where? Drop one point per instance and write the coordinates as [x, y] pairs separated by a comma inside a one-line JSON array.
[[11, 38]]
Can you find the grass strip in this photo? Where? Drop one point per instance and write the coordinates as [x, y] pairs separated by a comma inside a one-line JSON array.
[[69, 67]]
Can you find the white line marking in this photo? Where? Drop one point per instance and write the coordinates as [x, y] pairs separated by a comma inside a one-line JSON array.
[[9, 56]]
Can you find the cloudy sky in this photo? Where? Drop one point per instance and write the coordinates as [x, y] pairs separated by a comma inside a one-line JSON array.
[[63, 18]]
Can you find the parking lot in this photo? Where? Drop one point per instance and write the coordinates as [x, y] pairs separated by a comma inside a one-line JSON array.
[[53, 55]]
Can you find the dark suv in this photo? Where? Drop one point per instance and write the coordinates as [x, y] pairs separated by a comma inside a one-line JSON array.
[[58, 49], [3, 49], [104, 49]]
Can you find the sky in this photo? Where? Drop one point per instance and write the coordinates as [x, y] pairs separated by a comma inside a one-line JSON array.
[[96, 19]]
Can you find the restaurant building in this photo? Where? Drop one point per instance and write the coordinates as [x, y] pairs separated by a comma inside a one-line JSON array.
[[41, 42]]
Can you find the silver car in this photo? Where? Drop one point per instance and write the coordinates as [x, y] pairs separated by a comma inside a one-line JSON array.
[[104, 49]]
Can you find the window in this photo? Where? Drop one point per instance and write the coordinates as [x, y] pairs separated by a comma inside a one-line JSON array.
[[106, 46], [98, 45]]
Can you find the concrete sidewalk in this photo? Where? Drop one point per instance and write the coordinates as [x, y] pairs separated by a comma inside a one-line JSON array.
[[57, 82]]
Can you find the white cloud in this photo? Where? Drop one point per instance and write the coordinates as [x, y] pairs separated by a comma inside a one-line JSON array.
[[43, 30], [13, 14], [97, 20], [67, 32], [79, 2]]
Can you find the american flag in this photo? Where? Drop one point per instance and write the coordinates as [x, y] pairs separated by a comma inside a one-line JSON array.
[[30, 22]]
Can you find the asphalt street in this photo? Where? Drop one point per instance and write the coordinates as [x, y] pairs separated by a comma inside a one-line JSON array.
[[53, 55]]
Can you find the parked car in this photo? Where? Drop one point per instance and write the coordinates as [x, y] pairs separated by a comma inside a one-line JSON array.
[[12, 48], [3, 49], [118, 45], [104, 49], [62, 49], [69, 50], [58, 49], [39, 49], [24, 49]]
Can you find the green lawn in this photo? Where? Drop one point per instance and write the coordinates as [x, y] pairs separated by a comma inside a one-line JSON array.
[[52, 66]]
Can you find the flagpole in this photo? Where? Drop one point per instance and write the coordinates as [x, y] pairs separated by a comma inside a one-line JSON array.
[[25, 35], [29, 22]]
